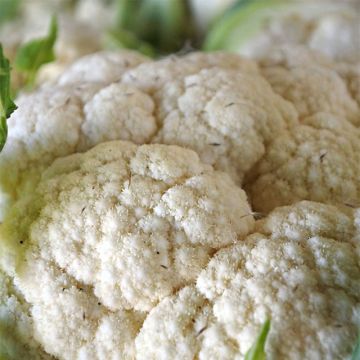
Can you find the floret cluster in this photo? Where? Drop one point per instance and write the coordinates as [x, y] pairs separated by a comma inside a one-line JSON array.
[[165, 209]]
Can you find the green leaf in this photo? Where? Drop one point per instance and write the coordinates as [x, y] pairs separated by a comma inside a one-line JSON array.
[[241, 22], [119, 39], [164, 25], [257, 351], [8, 10], [7, 106], [125, 13], [248, 18], [356, 353], [32, 55]]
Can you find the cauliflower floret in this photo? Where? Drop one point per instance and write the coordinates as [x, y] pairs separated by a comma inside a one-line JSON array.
[[103, 66], [337, 36], [173, 329], [227, 118], [314, 83], [306, 283], [314, 89], [230, 115], [331, 28], [16, 325], [290, 56], [318, 160], [60, 120], [152, 76], [69, 321], [201, 111], [113, 231]]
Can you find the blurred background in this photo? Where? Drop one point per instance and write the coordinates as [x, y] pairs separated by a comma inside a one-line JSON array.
[[160, 27]]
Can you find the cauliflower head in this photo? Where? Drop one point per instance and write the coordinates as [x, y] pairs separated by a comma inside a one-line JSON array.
[[109, 233], [300, 269]]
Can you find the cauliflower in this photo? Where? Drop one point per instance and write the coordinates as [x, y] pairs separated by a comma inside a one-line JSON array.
[[118, 243], [103, 67], [231, 115], [313, 83], [198, 109], [49, 122], [294, 57], [153, 76], [254, 29], [300, 269], [16, 340], [313, 89], [111, 232], [318, 160]]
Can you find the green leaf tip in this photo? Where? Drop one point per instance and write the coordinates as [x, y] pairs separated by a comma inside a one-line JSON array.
[[35, 53], [7, 106], [257, 351]]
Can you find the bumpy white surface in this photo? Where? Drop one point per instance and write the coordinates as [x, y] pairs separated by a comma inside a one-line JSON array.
[[318, 160], [137, 224], [16, 325], [123, 226], [69, 321], [314, 83], [63, 119], [301, 270], [330, 27], [103, 66], [314, 89], [228, 117], [153, 76]]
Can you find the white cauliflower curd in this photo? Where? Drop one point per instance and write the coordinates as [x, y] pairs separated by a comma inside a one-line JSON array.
[[111, 232], [124, 230], [318, 160], [313, 83], [300, 269], [16, 325], [226, 112]]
